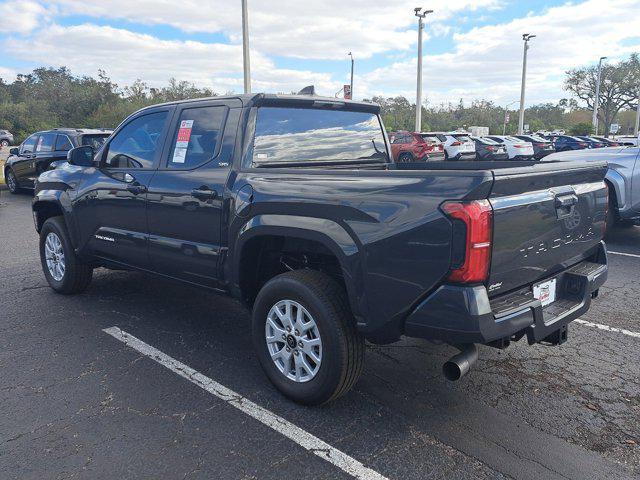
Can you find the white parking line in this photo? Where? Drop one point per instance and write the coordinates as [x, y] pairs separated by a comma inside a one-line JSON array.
[[624, 254], [277, 423], [608, 328]]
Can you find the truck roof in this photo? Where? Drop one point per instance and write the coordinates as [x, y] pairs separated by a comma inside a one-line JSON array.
[[274, 99]]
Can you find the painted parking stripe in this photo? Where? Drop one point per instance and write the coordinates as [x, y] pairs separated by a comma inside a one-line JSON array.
[[624, 254], [608, 328], [303, 438]]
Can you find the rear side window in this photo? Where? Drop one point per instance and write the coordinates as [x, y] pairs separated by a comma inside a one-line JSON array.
[[96, 141], [45, 143], [63, 144], [305, 136], [197, 136]]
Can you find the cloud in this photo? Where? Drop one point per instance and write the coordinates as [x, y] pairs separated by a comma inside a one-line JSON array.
[[23, 16], [486, 61], [127, 56]]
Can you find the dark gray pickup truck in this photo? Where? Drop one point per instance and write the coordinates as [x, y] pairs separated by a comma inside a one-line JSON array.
[[293, 205]]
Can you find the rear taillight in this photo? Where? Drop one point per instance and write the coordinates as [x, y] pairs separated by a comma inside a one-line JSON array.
[[520, 146], [456, 144], [491, 149], [477, 217]]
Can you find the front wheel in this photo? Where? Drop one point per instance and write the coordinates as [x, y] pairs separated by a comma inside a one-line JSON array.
[[62, 268], [12, 181], [4, 143], [305, 337]]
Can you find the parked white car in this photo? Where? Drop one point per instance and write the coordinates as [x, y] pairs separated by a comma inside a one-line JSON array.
[[457, 145], [516, 149], [627, 140]]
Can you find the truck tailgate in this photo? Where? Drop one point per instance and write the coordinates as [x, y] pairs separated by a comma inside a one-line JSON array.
[[546, 218]]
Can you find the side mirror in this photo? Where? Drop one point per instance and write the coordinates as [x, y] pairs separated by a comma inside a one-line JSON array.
[[81, 156], [14, 151]]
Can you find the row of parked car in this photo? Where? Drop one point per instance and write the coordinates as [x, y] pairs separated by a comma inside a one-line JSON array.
[[462, 146]]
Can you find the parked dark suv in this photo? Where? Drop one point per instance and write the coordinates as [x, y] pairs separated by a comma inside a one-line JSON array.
[[6, 138], [42, 150]]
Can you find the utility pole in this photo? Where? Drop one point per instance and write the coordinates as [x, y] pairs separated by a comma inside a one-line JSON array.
[[526, 37], [245, 48], [351, 55], [596, 102], [420, 16]]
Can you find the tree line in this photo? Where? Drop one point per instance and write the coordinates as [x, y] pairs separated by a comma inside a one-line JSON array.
[[54, 97]]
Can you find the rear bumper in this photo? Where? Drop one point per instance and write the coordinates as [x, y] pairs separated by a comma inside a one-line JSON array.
[[465, 314]]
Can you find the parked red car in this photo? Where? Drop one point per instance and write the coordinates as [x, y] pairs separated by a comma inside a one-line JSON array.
[[416, 147]]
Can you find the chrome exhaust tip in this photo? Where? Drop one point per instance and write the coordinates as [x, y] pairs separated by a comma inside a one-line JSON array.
[[459, 365]]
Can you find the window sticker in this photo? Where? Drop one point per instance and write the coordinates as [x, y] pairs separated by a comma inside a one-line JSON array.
[[39, 145], [182, 142]]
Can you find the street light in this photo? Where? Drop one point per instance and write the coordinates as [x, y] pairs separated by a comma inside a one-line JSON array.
[[351, 55], [245, 48], [637, 127], [596, 102], [526, 37], [420, 16]]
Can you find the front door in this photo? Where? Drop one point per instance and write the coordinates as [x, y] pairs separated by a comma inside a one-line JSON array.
[[111, 205], [24, 166], [186, 196]]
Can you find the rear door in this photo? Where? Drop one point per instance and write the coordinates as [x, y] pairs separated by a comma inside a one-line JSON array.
[[187, 195], [546, 218]]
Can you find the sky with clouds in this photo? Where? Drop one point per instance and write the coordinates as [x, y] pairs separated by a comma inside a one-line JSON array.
[[472, 48]]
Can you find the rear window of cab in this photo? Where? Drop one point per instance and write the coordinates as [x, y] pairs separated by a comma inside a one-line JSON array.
[[306, 136]]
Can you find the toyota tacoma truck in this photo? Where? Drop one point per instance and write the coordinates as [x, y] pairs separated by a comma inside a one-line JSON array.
[[293, 205]]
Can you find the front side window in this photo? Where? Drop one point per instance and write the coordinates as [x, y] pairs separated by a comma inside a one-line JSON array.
[[137, 143], [307, 136], [197, 136], [63, 144], [29, 145]]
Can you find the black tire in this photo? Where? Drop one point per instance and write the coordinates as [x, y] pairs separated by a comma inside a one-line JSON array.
[[11, 181], [4, 143], [405, 158], [446, 156], [77, 275], [342, 345]]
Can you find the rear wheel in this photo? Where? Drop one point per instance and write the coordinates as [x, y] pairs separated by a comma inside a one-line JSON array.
[[62, 268], [305, 337], [405, 157], [4, 143], [11, 181], [612, 217]]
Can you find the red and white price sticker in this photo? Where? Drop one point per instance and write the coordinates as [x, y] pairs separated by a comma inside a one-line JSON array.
[[182, 142]]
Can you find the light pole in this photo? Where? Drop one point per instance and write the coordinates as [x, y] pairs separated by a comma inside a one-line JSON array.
[[245, 48], [526, 37], [351, 55], [636, 130], [420, 16], [506, 112], [596, 102]]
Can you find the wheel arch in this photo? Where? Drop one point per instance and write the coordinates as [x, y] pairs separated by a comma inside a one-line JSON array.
[[325, 237]]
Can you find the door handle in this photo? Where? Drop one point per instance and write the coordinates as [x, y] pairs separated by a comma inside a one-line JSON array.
[[136, 188], [204, 193]]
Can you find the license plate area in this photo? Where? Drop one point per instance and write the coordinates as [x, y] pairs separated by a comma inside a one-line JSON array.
[[545, 292]]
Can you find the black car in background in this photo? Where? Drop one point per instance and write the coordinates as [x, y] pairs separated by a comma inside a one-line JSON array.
[[606, 141], [541, 146], [42, 149], [565, 143], [487, 149], [593, 142], [6, 138]]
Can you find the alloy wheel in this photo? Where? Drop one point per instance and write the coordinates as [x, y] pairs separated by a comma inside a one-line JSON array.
[[293, 341], [54, 255]]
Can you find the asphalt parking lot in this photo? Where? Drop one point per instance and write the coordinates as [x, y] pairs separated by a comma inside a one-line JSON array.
[[78, 403]]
